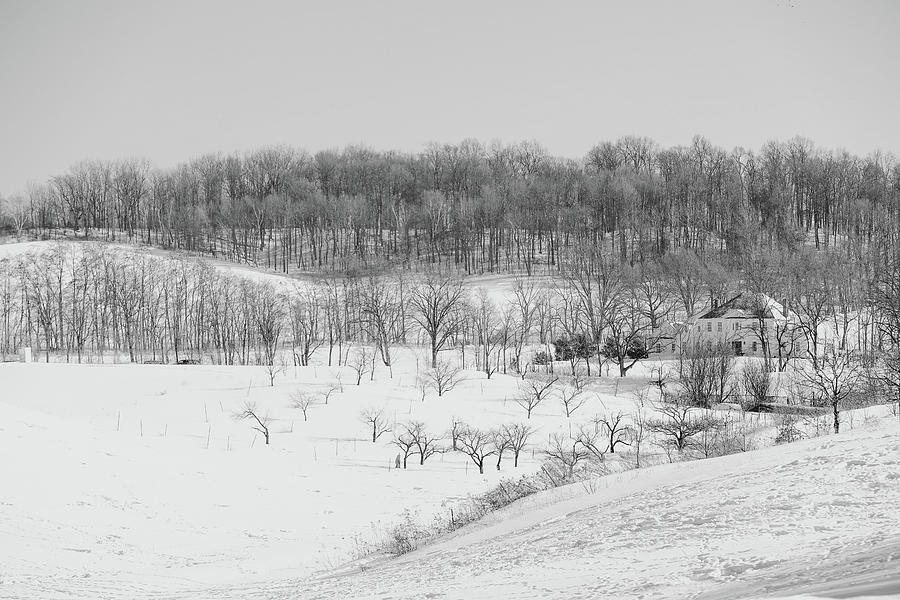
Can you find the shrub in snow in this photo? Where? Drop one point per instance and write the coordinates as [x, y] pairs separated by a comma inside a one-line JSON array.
[[541, 358], [788, 429], [405, 536]]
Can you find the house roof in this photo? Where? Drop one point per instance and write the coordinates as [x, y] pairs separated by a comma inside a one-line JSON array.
[[669, 330], [746, 306]]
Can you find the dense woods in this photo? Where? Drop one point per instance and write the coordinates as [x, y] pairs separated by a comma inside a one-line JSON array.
[[476, 208]]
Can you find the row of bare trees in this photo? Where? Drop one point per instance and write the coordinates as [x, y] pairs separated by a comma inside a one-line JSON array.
[[86, 301], [83, 301], [490, 446], [478, 208], [89, 299], [837, 381], [680, 430]]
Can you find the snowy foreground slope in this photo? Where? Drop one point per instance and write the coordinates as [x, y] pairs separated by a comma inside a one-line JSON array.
[[134, 481], [130, 481], [126, 481], [819, 516]]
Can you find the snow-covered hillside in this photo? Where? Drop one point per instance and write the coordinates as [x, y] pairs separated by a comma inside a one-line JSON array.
[[16, 249], [816, 517], [139, 475], [135, 481]]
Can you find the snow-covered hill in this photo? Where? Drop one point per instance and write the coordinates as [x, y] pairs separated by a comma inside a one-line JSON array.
[[134, 481], [125, 481]]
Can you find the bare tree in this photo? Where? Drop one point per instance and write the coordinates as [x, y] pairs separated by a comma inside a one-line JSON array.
[[305, 311], [835, 382], [426, 445], [847, 295], [517, 436], [375, 419], [383, 314], [258, 421], [303, 401], [16, 209], [423, 385], [706, 374], [679, 424], [756, 385], [615, 428], [457, 426], [648, 287], [274, 369], [406, 444], [569, 316], [885, 298], [723, 371], [269, 316], [501, 443], [812, 300], [787, 337], [525, 302], [332, 388], [443, 377], [334, 305], [566, 452], [629, 332], [477, 444], [533, 391], [597, 284], [685, 271], [572, 397], [360, 362], [593, 441], [488, 334], [435, 302], [764, 310], [639, 425]]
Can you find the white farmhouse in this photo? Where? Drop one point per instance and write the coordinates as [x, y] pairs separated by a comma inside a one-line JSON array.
[[751, 325]]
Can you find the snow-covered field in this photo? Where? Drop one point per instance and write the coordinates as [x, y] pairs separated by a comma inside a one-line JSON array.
[[136, 481], [118, 475], [131, 481]]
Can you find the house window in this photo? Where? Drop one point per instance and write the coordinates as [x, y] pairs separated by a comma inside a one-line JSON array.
[[719, 326], [754, 346], [673, 348], [709, 326]]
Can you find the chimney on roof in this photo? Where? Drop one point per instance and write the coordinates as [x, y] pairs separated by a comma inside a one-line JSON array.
[[784, 308]]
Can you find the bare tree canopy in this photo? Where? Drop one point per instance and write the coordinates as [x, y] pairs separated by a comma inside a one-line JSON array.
[[436, 302], [259, 421]]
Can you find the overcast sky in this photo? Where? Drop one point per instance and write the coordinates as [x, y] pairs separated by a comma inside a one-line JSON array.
[[171, 80]]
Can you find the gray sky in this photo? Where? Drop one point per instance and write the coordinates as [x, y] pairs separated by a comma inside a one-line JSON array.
[[170, 80]]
